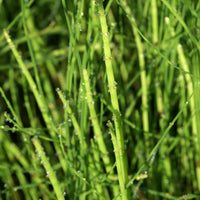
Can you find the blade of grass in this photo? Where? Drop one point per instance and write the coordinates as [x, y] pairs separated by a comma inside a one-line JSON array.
[[98, 133], [159, 143], [175, 13], [31, 83], [48, 168], [122, 168]]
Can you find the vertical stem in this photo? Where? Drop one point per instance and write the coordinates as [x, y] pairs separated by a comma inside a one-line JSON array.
[[122, 167], [190, 91], [97, 129], [145, 117], [154, 14], [196, 82], [94, 118]]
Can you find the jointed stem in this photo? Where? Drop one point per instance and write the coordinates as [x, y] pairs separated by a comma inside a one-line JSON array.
[[122, 163]]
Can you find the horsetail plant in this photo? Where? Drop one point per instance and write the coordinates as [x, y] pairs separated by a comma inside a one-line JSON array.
[[97, 130], [122, 165], [48, 168], [99, 100]]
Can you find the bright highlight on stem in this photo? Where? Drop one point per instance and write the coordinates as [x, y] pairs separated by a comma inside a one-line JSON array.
[[122, 164], [48, 168]]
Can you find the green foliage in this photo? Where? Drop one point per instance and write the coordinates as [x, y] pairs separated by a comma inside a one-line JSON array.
[[99, 99]]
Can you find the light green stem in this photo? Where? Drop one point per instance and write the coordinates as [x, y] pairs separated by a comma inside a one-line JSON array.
[[97, 130], [145, 117], [98, 133], [49, 169], [154, 15], [31, 82], [122, 165]]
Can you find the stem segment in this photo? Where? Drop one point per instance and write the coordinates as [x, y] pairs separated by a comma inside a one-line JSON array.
[[122, 163]]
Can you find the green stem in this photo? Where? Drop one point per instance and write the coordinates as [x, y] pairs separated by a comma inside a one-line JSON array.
[[98, 134], [154, 14], [97, 130], [31, 82], [122, 165], [143, 77], [49, 169]]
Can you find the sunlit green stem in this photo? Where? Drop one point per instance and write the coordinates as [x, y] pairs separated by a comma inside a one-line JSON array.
[[122, 167], [49, 169]]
